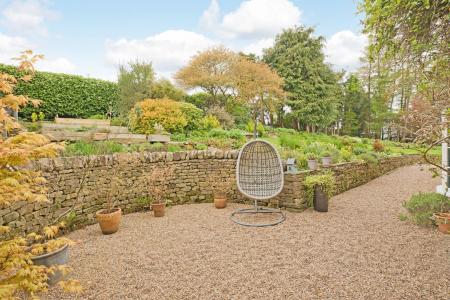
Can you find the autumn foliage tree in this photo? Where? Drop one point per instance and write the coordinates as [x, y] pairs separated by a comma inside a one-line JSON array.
[[212, 71], [259, 87], [17, 183]]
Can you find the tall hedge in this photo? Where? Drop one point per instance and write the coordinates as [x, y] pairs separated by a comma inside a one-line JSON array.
[[66, 95]]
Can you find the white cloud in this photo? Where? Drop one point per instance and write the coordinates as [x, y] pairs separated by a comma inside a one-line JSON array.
[[11, 46], [344, 49], [258, 46], [168, 50], [57, 65], [210, 17], [28, 16], [253, 19]]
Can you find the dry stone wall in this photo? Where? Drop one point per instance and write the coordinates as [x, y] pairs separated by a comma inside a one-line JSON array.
[[83, 184]]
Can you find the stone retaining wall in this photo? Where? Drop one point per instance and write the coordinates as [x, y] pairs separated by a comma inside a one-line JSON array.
[[83, 183]]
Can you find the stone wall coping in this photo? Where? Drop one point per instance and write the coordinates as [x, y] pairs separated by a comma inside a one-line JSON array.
[[71, 162], [74, 162]]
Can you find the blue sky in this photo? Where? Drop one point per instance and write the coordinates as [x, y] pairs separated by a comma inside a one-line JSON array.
[[91, 38]]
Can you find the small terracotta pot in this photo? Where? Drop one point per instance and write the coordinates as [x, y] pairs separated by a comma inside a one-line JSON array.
[[158, 209], [220, 201], [109, 221], [443, 222]]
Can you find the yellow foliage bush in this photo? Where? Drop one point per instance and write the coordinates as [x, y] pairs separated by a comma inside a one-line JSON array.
[[165, 112]]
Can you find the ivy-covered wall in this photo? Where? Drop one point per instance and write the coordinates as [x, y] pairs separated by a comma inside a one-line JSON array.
[[66, 95]]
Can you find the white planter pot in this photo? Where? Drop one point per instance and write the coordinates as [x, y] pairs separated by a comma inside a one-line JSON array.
[[326, 161], [312, 164]]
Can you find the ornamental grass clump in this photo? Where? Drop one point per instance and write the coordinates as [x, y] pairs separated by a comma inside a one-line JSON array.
[[18, 274]]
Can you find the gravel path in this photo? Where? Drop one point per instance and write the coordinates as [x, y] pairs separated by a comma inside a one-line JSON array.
[[358, 250]]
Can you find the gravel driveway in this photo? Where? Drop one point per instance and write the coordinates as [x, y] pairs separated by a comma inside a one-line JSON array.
[[358, 250]]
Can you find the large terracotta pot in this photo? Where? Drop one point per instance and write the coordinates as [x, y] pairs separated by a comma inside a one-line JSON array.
[[109, 221], [443, 222], [158, 209], [220, 200], [55, 258], [320, 199]]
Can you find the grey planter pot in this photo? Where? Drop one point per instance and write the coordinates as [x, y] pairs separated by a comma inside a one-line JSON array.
[[326, 161], [312, 164], [320, 199], [58, 257]]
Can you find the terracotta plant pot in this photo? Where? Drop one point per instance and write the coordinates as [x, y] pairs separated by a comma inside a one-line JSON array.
[[220, 201], [443, 222], [55, 258], [312, 164], [109, 221], [326, 161], [158, 209]]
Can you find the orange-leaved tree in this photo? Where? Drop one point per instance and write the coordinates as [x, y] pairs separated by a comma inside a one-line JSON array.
[[18, 274], [258, 86]]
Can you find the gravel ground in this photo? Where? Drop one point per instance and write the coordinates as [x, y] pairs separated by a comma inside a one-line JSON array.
[[358, 250]]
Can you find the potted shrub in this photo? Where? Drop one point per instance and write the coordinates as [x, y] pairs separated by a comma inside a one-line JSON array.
[[442, 220], [109, 218], [427, 209], [312, 161], [326, 158], [319, 188], [156, 187]]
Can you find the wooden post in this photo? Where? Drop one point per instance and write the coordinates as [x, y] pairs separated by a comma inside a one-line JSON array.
[[445, 184]]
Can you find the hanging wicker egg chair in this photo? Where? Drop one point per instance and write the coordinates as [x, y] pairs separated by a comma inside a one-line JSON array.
[[259, 176]]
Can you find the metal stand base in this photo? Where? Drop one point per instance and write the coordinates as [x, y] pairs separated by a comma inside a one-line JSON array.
[[258, 210]]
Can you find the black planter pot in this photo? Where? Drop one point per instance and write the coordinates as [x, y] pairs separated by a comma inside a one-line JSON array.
[[58, 257], [320, 199]]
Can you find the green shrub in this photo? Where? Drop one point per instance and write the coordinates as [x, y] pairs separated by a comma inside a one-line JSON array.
[[173, 148], [368, 158], [98, 117], [119, 121], [422, 206], [325, 180], [290, 141], [66, 95], [259, 128], [192, 114], [34, 117], [311, 156], [93, 148], [218, 133], [209, 122], [314, 147], [346, 155], [359, 150], [200, 147], [236, 134]]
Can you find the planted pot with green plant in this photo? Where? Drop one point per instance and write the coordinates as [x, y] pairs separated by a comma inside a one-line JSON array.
[[110, 217], [319, 188], [312, 161], [157, 189], [326, 158], [426, 209]]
